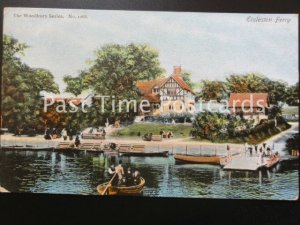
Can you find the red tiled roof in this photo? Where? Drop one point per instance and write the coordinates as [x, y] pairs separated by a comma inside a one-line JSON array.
[[152, 97], [182, 83], [259, 99], [146, 87]]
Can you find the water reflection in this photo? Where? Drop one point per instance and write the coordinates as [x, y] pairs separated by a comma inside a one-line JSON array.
[[80, 173]]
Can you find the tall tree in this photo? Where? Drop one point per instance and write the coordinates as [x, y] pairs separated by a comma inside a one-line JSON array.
[[115, 71], [187, 78], [251, 83], [21, 86], [293, 95], [213, 90]]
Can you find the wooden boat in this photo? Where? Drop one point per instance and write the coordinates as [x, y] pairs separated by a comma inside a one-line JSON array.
[[121, 190], [25, 148], [215, 160], [272, 161], [144, 154]]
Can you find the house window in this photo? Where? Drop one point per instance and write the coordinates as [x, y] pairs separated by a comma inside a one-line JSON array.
[[156, 90]]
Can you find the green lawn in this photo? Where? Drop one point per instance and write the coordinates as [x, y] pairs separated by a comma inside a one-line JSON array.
[[179, 131], [290, 110]]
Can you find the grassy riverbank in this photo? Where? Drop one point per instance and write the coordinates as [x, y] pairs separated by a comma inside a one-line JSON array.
[[179, 130]]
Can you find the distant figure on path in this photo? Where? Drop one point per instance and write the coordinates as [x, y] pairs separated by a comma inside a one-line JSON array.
[[48, 134], [228, 152], [64, 134], [170, 134], [77, 141]]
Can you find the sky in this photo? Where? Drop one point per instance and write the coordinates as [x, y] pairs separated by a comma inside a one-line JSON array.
[[208, 45]]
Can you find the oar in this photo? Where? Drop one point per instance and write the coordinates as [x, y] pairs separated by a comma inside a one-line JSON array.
[[105, 189]]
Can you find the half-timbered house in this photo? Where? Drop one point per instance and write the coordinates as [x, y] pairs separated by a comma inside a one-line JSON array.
[[166, 95]]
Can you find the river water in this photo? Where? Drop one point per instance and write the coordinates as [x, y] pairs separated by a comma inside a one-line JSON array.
[[80, 173]]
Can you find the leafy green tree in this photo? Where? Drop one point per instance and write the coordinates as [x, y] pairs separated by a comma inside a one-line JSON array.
[[239, 83], [293, 95], [114, 72], [275, 111], [75, 85], [208, 125], [187, 78], [21, 87], [257, 83], [213, 90]]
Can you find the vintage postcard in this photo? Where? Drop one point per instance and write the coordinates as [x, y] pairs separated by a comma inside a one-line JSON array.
[[145, 103]]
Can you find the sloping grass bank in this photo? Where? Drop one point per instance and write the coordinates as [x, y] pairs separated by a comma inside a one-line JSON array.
[[266, 132], [179, 130]]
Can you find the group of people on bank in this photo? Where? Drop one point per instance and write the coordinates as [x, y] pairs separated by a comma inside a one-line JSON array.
[[125, 177]]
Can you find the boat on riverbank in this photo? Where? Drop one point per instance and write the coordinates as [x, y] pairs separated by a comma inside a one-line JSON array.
[[25, 148], [121, 190], [200, 159], [144, 154]]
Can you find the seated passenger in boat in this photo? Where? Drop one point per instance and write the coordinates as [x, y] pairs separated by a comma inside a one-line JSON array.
[[136, 177], [129, 177]]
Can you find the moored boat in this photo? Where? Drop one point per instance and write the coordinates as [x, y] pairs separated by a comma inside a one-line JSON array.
[[25, 148], [272, 161], [144, 154], [215, 160], [121, 190]]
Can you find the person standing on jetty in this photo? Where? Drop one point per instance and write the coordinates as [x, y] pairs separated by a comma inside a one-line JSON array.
[[255, 148], [77, 141], [228, 152], [64, 134]]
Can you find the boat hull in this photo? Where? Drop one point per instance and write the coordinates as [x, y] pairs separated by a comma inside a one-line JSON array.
[[145, 154], [113, 190], [214, 160], [12, 148]]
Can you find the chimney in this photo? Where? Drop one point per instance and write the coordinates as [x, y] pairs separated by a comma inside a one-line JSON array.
[[177, 71]]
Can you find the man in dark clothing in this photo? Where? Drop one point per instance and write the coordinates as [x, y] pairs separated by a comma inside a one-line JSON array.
[[77, 141]]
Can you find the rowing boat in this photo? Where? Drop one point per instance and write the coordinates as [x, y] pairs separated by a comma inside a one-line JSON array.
[[215, 160], [144, 154], [121, 190], [25, 148]]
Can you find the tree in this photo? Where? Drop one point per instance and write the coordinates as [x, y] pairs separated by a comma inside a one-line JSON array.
[[258, 83], [275, 111], [250, 82], [186, 76], [75, 85], [293, 95], [21, 87], [115, 71], [213, 90], [208, 125]]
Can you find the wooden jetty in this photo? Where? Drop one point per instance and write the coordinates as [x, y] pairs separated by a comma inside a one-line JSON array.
[[250, 163]]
